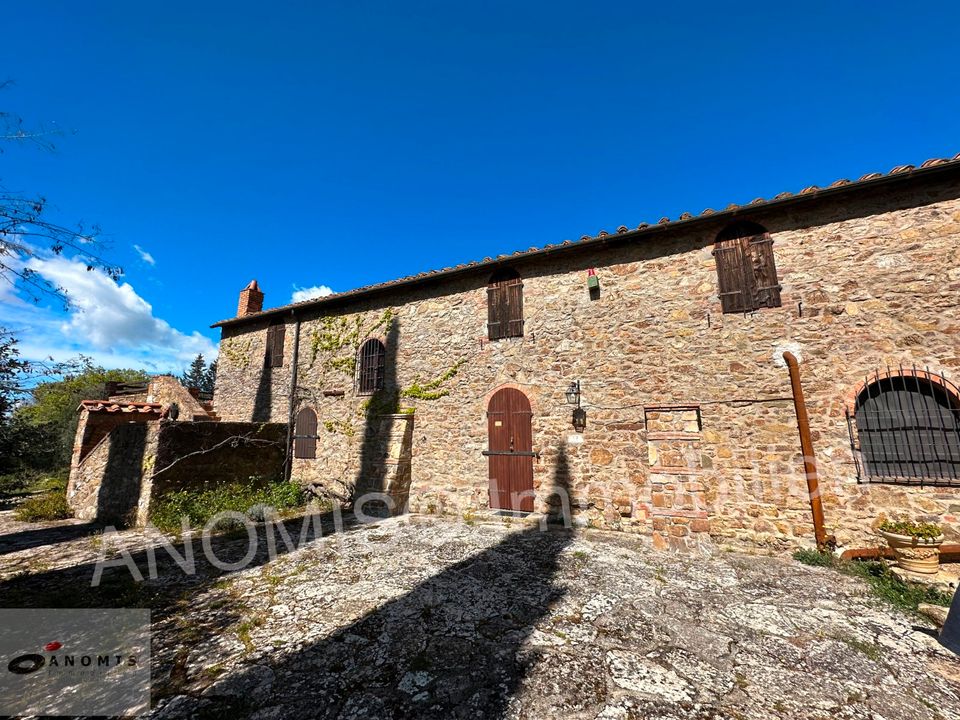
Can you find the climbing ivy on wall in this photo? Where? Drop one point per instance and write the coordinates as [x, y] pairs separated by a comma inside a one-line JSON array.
[[236, 351], [432, 390], [387, 401], [339, 426], [338, 340]]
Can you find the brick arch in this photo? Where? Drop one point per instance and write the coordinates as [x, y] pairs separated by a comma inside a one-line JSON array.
[[525, 389], [952, 390]]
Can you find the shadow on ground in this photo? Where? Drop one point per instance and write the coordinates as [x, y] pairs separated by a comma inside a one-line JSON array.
[[451, 647], [26, 539]]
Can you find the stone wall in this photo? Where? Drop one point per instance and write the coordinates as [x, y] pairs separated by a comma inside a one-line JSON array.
[[135, 463], [107, 484], [868, 281]]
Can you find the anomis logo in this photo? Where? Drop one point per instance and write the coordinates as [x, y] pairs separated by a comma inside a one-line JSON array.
[[31, 662]]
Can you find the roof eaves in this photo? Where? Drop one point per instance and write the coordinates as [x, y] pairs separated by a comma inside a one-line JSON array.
[[870, 180]]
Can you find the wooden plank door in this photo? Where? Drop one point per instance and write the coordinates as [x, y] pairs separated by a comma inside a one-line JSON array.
[[510, 451]]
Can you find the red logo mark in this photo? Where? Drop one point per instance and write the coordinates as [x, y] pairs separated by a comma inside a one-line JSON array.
[[52, 646]]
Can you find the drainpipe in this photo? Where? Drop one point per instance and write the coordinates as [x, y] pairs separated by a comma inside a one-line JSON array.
[[809, 459], [288, 459]]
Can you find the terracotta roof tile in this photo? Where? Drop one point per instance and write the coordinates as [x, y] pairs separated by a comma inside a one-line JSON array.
[[732, 207], [123, 407]]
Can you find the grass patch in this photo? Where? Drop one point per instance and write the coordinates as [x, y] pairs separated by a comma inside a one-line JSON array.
[[881, 580], [870, 650], [200, 504], [51, 505]]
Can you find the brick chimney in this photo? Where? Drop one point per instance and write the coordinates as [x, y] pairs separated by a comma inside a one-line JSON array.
[[251, 300]]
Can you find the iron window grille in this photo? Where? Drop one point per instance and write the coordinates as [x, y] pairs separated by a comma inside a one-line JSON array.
[[905, 429], [372, 367]]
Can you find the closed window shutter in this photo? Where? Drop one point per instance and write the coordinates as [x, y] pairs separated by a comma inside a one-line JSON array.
[[766, 287], [505, 305], [305, 434], [734, 288], [493, 313], [274, 352], [514, 308]]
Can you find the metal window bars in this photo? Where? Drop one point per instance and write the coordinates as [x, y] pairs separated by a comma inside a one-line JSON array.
[[905, 429]]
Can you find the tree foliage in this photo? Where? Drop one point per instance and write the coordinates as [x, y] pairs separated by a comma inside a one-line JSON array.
[[53, 404], [200, 375], [26, 230]]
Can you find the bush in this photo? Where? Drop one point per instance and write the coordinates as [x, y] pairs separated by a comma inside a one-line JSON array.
[[48, 506], [27, 481], [884, 584], [198, 505]]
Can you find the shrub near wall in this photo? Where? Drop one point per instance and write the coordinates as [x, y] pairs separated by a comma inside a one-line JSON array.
[[198, 505]]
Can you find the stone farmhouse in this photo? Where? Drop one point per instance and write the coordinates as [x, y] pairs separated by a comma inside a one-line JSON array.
[[647, 366]]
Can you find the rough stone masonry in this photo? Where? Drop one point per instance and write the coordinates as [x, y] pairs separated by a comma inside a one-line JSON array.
[[690, 433]]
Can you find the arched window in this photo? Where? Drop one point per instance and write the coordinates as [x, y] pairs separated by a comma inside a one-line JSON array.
[[372, 365], [746, 271], [505, 305], [908, 428], [305, 434]]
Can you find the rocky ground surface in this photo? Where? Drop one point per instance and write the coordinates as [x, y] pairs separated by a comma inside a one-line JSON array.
[[424, 617]]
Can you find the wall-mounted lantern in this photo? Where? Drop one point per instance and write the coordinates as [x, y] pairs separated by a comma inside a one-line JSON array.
[[579, 414], [579, 419]]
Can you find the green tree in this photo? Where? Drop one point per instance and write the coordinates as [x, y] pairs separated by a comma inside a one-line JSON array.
[[210, 378], [11, 369], [53, 404], [196, 374]]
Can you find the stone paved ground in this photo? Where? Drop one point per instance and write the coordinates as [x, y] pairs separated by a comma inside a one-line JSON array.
[[420, 617]]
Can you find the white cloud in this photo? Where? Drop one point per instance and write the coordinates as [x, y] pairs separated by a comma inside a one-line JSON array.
[[107, 320], [300, 294], [145, 256]]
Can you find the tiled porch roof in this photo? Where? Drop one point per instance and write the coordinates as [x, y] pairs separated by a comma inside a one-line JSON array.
[[123, 407]]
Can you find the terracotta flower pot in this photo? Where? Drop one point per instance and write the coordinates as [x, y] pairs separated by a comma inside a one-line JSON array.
[[919, 555]]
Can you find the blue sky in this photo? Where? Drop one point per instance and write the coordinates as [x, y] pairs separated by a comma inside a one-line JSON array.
[[345, 143]]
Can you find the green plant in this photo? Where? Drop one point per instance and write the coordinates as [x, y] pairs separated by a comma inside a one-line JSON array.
[[816, 558], [921, 530], [48, 506], [200, 504], [882, 582], [337, 334], [432, 390], [236, 351]]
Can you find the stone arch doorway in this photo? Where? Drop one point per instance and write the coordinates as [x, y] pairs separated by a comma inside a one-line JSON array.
[[510, 451]]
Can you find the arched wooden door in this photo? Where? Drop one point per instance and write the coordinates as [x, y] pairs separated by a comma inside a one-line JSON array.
[[510, 451]]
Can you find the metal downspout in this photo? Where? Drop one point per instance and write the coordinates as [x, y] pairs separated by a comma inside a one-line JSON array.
[[824, 541], [288, 459]]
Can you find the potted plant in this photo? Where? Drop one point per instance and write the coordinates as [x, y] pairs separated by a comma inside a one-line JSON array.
[[916, 545]]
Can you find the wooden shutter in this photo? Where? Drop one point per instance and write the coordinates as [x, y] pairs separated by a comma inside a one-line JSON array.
[[495, 328], [734, 284], [505, 305], [514, 308], [305, 434], [763, 272], [274, 352]]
